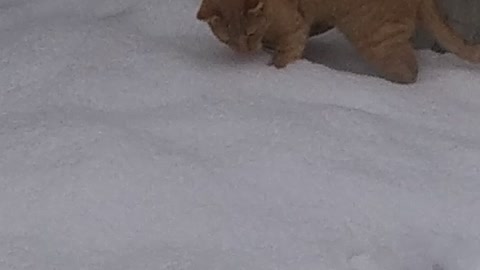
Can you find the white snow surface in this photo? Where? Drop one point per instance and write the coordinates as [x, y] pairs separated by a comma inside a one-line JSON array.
[[131, 139]]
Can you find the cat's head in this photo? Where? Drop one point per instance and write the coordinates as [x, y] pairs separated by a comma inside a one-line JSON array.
[[241, 24]]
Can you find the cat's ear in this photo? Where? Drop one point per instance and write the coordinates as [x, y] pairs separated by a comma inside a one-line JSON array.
[[255, 7], [206, 12]]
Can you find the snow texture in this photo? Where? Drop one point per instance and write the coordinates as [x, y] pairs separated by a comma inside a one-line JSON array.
[[131, 139]]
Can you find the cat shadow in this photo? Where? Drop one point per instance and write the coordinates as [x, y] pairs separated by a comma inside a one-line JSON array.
[[334, 51]]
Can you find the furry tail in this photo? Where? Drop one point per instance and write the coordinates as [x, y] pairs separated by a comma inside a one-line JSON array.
[[445, 35]]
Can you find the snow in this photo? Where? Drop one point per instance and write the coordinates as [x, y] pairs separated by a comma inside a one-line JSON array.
[[131, 139]]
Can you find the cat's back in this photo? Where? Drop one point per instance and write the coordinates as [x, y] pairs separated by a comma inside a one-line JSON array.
[[333, 10]]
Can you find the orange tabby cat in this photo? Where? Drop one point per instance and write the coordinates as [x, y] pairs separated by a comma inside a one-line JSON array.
[[379, 29]]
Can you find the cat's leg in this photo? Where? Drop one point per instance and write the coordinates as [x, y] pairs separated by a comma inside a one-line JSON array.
[[290, 47], [387, 47], [396, 62]]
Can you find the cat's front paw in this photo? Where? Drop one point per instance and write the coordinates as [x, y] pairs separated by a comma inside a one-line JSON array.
[[281, 61]]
